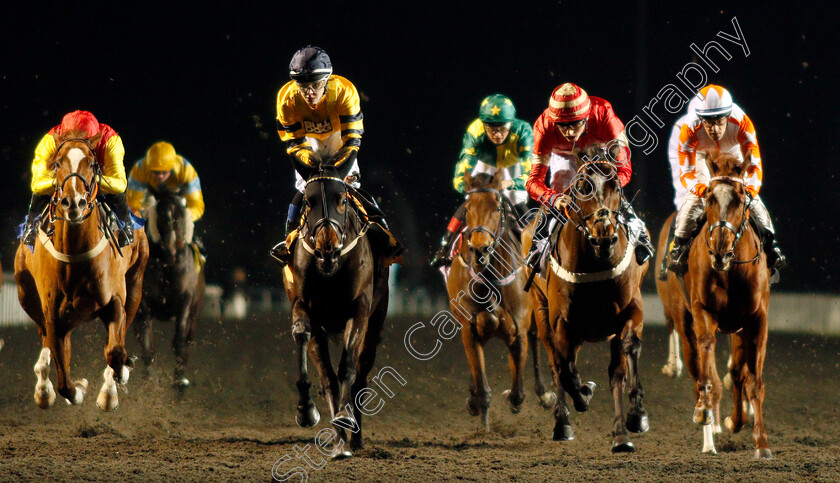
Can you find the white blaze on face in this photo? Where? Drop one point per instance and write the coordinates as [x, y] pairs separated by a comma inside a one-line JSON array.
[[75, 156], [723, 195]]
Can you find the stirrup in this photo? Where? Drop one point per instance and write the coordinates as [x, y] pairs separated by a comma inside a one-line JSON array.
[[126, 237], [280, 252]]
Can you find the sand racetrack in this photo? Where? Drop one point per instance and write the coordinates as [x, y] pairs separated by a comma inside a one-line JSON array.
[[238, 418]]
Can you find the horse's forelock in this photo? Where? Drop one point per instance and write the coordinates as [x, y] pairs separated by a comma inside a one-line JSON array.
[[724, 164]]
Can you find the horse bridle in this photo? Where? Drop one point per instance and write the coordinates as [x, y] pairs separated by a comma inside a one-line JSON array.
[[738, 232], [602, 215], [495, 235], [91, 188], [340, 228]]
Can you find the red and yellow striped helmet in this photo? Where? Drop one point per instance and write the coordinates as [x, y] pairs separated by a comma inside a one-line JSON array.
[[568, 103]]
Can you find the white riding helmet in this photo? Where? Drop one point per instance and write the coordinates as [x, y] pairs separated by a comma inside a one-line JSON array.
[[716, 101]]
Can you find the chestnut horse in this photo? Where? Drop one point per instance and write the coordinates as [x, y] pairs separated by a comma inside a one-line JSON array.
[[728, 289], [77, 275], [674, 366], [337, 287], [488, 268], [591, 293], [173, 286]]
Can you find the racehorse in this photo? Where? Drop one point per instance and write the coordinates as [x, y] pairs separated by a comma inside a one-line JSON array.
[[489, 256], [173, 286], [592, 293], [78, 274], [337, 287], [726, 289]]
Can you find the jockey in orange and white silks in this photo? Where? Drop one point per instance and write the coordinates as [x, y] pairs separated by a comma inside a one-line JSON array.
[[572, 121], [719, 125], [674, 151], [109, 153]]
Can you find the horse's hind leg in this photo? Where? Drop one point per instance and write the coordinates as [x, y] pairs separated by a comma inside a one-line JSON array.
[[562, 426], [548, 399], [181, 342], [479, 400], [143, 333], [307, 413], [516, 363], [353, 340], [755, 354], [674, 366], [631, 345]]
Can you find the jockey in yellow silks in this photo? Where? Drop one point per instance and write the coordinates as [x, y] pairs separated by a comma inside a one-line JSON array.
[[162, 166]]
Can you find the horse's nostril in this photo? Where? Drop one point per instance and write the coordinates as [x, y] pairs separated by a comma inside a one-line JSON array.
[[65, 202], [613, 239], [82, 203]]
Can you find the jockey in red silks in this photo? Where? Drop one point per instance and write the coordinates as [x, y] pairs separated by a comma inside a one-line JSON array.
[[573, 121], [109, 153]]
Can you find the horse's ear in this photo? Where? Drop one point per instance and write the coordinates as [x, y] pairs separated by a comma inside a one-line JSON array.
[[95, 139], [468, 179], [745, 164], [497, 178], [303, 170], [712, 162]]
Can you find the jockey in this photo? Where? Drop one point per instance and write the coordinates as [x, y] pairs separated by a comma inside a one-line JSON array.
[[719, 125], [163, 166], [572, 121], [320, 121], [497, 140], [109, 153], [674, 161]]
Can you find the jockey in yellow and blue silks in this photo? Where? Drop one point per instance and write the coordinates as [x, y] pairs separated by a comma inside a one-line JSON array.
[[163, 166], [109, 151], [319, 119], [497, 140]]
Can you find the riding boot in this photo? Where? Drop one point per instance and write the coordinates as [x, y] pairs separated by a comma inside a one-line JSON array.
[[36, 207], [644, 248], [443, 255], [775, 258], [678, 255], [663, 269], [281, 251], [118, 204]]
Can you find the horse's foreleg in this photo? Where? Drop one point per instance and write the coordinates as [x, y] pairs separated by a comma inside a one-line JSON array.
[[72, 391], [354, 331], [674, 366], [517, 358], [478, 403], [735, 375], [181, 342], [631, 345], [548, 399], [307, 413], [143, 333], [756, 353], [569, 376], [617, 372], [113, 316], [562, 426], [704, 329], [44, 392]]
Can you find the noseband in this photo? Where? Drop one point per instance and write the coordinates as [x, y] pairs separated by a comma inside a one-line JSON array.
[[602, 214], [495, 235]]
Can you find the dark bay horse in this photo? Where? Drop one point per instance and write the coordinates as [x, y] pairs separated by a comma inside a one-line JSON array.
[[338, 287], [173, 286], [488, 267], [591, 293], [728, 289], [77, 275]]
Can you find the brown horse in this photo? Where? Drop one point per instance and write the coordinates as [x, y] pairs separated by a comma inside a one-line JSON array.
[[591, 293], [488, 268], [728, 290], [674, 366], [77, 275], [338, 288]]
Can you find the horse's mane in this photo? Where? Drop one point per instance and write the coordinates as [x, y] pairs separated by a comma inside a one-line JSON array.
[[482, 180]]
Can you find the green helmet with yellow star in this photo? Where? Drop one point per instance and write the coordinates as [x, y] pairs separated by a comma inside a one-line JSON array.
[[497, 109]]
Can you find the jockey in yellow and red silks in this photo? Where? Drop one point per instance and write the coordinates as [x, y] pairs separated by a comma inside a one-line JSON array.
[[319, 119], [719, 125], [109, 154]]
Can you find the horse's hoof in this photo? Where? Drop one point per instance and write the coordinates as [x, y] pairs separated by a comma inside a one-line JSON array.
[[342, 455], [548, 399], [763, 454], [730, 425], [671, 370], [514, 408], [637, 423], [622, 446], [703, 416], [344, 419], [727, 381], [81, 389], [45, 398], [586, 391], [307, 417], [472, 408], [563, 432], [107, 402], [181, 383]]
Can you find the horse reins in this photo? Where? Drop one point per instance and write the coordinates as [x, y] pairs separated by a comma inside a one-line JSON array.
[[739, 231], [327, 220], [91, 189]]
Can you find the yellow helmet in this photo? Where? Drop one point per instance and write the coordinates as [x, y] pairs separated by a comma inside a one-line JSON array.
[[161, 157]]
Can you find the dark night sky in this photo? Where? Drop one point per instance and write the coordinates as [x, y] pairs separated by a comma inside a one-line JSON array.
[[205, 78]]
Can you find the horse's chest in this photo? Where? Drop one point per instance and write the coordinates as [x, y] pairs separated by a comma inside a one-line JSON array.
[[596, 310]]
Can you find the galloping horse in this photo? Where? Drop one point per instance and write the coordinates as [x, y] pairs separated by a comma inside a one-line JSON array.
[[337, 287], [592, 294], [174, 281], [76, 275], [728, 289], [489, 255]]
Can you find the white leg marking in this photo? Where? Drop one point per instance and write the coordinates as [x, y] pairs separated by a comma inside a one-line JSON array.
[[674, 366], [107, 400], [708, 440], [124, 378], [44, 392]]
